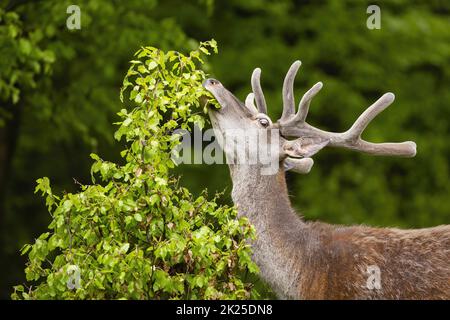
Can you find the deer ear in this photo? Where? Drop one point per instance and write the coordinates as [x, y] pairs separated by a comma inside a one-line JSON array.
[[302, 166], [304, 147]]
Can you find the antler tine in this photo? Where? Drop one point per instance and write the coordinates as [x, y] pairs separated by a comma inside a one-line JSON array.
[[353, 135], [257, 90], [288, 91], [371, 112], [250, 102], [303, 106]]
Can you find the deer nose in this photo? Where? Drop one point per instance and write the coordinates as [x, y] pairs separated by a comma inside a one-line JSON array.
[[210, 82]]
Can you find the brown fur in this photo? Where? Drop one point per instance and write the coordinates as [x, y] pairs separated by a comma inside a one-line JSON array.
[[313, 260]]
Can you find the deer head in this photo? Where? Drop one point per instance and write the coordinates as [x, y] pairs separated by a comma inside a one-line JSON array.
[[307, 140]]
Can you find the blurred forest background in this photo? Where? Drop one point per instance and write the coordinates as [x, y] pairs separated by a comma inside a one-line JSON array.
[[59, 95]]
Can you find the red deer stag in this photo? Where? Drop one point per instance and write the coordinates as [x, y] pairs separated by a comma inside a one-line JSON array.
[[313, 260]]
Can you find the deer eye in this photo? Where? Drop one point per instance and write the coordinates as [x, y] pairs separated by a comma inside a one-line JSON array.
[[264, 122]]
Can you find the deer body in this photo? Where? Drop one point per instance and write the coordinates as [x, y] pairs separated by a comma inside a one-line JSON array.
[[313, 260]]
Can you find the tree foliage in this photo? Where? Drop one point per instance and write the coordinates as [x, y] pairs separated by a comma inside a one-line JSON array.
[[66, 104], [26, 60], [136, 234]]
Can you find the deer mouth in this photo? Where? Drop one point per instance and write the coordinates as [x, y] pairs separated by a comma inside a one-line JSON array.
[[219, 92], [228, 102], [213, 86]]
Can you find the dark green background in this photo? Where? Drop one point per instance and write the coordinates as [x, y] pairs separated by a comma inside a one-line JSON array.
[[54, 125]]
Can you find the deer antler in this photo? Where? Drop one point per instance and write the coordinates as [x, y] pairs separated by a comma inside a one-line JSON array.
[[293, 124], [257, 90]]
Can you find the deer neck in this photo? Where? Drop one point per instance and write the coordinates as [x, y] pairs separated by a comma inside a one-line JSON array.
[[258, 196], [282, 236]]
